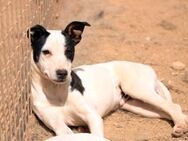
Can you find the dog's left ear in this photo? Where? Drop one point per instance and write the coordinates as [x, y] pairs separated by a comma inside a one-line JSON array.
[[36, 32], [75, 30]]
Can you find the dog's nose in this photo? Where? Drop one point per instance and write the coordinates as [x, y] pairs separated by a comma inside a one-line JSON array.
[[61, 74]]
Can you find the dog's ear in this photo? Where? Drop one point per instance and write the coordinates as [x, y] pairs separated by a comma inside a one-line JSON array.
[[36, 32], [75, 30]]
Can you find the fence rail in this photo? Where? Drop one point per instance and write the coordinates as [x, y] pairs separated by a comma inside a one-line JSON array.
[[15, 17]]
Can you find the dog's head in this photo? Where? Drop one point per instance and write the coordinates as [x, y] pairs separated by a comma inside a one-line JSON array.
[[53, 50]]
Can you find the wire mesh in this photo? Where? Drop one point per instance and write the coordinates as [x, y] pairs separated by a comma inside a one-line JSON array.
[[16, 17]]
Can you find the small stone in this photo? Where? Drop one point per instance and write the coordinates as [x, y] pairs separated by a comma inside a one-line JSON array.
[[148, 38], [178, 65], [170, 84], [56, 16], [174, 73]]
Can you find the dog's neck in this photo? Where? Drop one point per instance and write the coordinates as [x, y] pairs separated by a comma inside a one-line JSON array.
[[56, 94]]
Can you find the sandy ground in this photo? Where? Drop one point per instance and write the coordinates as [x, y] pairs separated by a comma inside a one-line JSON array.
[[150, 32]]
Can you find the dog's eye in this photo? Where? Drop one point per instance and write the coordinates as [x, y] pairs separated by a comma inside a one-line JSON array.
[[46, 52]]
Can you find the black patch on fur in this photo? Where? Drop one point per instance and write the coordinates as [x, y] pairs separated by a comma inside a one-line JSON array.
[[76, 83], [38, 39], [70, 47], [37, 46]]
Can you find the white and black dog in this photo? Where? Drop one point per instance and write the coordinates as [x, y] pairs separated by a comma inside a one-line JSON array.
[[63, 96]]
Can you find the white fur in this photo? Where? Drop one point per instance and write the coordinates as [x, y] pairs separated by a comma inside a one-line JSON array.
[[48, 64], [59, 107]]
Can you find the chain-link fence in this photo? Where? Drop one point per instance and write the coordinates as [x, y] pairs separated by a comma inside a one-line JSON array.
[[16, 16]]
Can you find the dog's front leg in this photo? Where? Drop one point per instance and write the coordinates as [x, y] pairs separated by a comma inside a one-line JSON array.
[[87, 113], [53, 119], [95, 123]]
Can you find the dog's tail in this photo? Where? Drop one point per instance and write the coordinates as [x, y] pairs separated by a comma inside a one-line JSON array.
[[163, 91]]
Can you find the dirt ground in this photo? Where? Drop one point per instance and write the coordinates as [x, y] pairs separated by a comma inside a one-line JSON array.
[[145, 31]]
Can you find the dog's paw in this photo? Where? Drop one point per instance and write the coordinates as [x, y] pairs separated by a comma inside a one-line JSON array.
[[180, 128]]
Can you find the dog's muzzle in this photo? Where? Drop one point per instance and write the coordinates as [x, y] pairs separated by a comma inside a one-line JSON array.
[[61, 75]]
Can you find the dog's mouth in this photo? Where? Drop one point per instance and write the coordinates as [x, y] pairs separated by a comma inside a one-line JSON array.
[[59, 81]]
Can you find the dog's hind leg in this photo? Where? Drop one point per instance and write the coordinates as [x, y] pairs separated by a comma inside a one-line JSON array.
[[147, 110], [148, 94], [144, 109]]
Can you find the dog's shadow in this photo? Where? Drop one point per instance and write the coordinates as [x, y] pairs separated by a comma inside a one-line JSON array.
[[80, 129], [41, 124]]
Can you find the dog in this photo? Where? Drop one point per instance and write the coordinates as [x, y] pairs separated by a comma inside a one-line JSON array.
[[63, 96]]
